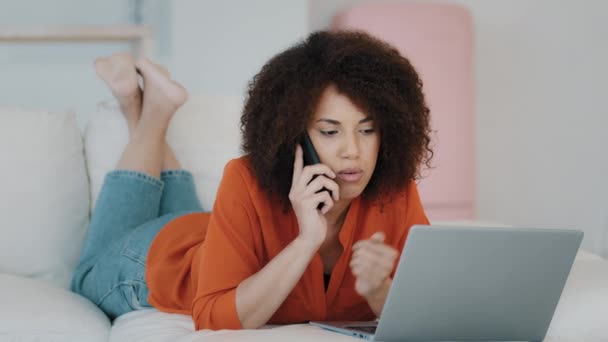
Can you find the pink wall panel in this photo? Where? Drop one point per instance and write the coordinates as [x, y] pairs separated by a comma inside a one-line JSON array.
[[438, 40]]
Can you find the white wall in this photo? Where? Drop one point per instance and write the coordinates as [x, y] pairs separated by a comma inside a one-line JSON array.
[[541, 82], [53, 76], [542, 117], [214, 47], [218, 46], [542, 114]]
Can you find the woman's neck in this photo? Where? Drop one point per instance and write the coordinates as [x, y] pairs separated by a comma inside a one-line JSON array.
[[335, 217]]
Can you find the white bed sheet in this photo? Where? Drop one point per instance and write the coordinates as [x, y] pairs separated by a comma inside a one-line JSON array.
[[581, 315]]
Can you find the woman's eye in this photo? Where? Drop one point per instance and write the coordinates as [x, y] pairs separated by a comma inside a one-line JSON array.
[[368, 131], [328, 133]]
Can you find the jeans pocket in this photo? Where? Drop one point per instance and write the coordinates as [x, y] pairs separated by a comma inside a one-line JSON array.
[[124, 297], [138, 242], [136, 294], [134, 254]]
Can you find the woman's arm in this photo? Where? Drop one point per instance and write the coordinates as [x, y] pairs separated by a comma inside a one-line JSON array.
[[371, 264], [259, 296], [235, 289], [376, 300], [374, 263]]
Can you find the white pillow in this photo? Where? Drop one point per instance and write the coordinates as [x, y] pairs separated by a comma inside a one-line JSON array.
[[204, 134], [34, 311], [580, 316], [45, 194], [583, 307]]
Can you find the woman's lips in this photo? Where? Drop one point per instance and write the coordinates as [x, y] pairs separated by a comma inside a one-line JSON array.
[[350, 176]]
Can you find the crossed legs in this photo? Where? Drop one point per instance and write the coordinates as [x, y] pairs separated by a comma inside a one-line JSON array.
[[148, 113], [145, 192]]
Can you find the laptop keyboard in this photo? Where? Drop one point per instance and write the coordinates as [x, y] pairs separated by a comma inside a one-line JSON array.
[[367, 329]]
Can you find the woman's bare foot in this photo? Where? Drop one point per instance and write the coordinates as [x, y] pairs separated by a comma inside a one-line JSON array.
[[119, 73], [164, 70], [161, 93]]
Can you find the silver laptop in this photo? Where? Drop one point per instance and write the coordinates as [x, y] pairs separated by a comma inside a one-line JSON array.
[[473, 284]]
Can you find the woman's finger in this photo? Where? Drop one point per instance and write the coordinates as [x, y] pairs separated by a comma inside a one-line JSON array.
[[356, 260], [321, 197], [321, 182], [370, 272], [310, 171], [373, 260], [378, 237], [361, 244], [317, 184], [298, 164], [378, 248], [331, 185]]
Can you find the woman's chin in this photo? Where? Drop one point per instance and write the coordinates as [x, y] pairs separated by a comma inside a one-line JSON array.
[[349, 192]]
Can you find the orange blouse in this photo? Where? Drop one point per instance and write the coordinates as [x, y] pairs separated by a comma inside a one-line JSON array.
[[196, 261]]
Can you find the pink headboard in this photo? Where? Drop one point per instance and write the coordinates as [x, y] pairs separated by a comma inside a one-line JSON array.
[[438, 40]]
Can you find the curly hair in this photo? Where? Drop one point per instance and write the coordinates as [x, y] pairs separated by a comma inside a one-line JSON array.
[[283, 96]]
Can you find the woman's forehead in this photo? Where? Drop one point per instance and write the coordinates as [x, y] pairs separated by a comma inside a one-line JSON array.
[[335, 107]]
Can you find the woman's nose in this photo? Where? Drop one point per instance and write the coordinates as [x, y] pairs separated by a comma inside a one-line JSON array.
[[351, 147]]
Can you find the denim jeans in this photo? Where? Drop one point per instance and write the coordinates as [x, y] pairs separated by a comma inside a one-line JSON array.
[[131, 209]]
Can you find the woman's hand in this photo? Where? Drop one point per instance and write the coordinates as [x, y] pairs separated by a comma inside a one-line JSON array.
[[372, 263], [305, 196]]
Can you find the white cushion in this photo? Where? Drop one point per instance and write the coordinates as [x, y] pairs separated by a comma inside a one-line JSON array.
[[105, 137], [32, 310], [45, 194], [583, 307], [154, 326], [204, 134], [579, 316]]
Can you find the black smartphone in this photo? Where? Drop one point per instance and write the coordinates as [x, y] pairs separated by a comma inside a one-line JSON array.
[[310, 154], [311, 158]]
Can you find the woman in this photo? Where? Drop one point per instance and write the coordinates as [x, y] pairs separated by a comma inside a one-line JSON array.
[[266, 253]]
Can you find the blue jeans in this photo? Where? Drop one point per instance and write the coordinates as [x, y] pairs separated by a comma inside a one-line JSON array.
[[131, 209]]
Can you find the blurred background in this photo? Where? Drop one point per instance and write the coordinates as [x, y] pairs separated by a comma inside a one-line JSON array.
[[540, 79]]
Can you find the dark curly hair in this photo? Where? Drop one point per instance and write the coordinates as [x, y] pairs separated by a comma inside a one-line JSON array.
[[283, 96]]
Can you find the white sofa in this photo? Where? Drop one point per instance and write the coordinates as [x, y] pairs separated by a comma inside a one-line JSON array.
[[50, 177]]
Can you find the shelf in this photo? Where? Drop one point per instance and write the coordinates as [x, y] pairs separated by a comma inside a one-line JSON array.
[[139, 34]]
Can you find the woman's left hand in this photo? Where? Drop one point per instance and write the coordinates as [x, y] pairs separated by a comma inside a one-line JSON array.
[[372, 263]]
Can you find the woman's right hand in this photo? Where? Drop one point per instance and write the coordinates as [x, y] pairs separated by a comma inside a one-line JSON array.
[[306, 195]]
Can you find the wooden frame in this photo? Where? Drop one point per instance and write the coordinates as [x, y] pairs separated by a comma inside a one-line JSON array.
[[139, 35]]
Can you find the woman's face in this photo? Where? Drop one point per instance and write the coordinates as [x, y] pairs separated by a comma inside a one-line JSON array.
[[346, 140]]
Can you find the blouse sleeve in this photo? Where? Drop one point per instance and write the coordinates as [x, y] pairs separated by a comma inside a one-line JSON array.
[[228, 254]]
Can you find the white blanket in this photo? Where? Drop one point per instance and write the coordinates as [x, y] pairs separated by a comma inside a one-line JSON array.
[[581, 315]]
